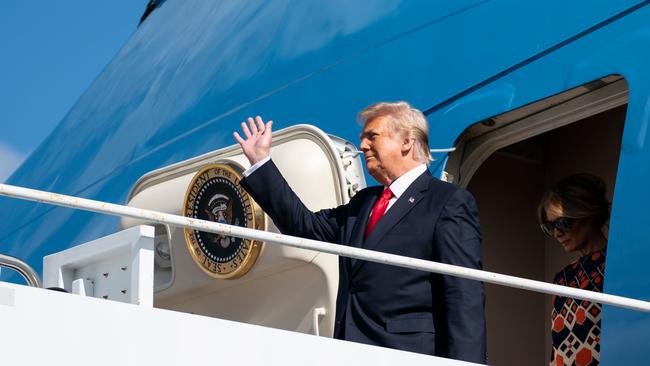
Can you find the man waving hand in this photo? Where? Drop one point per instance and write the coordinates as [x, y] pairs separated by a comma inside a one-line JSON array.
[[410, 214]]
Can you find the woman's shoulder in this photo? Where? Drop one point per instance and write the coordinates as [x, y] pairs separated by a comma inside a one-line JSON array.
[[588, 263], [567, 274], [599, 255], [560, 277], [592, 260]]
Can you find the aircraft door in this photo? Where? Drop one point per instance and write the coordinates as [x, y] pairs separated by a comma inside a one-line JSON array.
[[242, 280]]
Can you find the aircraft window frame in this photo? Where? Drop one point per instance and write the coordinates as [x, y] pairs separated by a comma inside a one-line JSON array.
[[481, 140]]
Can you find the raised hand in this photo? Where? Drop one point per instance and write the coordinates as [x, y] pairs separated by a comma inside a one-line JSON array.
[[257, 144]]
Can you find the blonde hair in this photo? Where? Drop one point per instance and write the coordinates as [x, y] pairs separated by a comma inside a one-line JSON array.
[[406, 121], [580, 196]]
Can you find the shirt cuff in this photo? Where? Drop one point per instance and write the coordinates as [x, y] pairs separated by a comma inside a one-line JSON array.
[[255, 166]]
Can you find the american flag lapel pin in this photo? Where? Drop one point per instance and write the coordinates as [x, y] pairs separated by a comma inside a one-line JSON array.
[[411, 199]]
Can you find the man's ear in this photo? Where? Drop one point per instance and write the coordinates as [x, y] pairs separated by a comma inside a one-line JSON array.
[[407, 145]]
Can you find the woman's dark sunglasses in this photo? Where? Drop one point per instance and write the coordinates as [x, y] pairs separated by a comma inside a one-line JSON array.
[[562, 224]]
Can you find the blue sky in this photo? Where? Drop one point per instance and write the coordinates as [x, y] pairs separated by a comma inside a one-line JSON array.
[[50, 52]]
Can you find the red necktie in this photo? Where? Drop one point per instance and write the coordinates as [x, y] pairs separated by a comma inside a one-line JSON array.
[[379, 210]]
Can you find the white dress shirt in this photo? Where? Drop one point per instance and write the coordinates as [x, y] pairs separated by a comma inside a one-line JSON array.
[[255, 166], [401, 184]]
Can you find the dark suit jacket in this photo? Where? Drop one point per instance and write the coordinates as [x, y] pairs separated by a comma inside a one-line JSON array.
[[386, 305]]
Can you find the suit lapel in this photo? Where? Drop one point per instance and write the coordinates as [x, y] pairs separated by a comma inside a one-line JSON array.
[[413, 194], [356, 237]]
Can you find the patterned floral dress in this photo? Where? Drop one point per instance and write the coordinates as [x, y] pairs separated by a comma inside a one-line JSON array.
[[576, 323]]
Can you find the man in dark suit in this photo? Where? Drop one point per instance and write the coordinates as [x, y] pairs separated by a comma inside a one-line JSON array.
[[411, 214]]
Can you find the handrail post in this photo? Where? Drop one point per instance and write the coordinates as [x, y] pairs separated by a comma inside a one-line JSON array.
[[21, 267]]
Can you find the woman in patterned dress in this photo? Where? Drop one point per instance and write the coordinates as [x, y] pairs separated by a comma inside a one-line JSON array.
[[574, 212]]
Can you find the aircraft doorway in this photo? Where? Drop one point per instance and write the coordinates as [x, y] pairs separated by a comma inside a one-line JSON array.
[[508, 178]]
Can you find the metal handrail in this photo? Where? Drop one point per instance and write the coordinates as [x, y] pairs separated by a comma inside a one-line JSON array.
[[321, 246], [21, 267]]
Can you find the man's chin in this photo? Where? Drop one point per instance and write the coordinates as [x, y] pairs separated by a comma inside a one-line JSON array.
[[378, 176]]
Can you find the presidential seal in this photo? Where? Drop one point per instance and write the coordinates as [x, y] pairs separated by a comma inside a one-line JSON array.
[[214, 194]]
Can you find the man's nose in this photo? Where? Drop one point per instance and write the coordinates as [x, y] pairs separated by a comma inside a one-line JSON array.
[[364, 146], [557, 233]]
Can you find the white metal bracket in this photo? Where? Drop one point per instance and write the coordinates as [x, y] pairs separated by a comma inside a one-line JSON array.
[[116, 267]]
